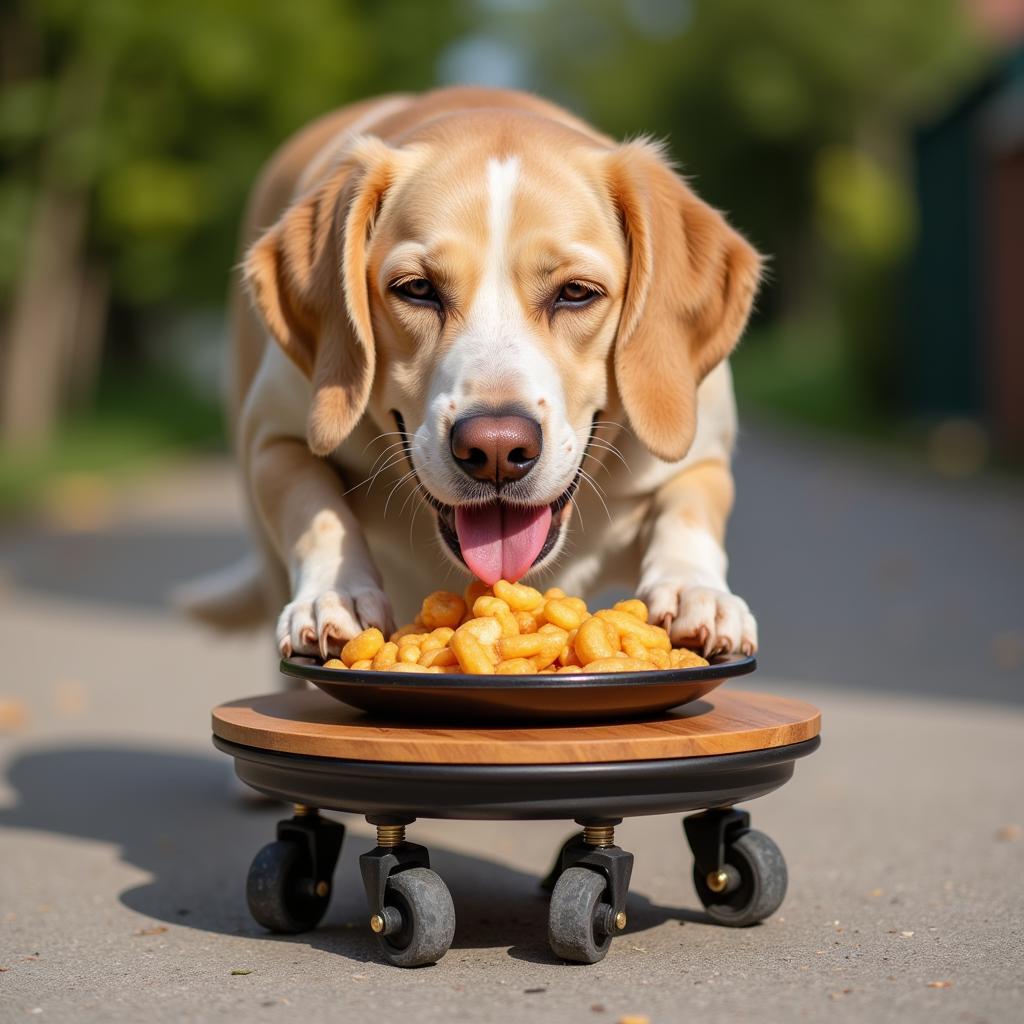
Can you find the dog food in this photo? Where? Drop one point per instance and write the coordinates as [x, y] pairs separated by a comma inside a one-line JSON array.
[[513, 629]]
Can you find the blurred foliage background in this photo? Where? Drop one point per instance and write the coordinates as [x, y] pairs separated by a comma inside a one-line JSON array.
[[130, 133]]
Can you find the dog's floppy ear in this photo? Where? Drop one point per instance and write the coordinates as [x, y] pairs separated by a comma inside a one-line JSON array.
[[689, 292], [307, 277]]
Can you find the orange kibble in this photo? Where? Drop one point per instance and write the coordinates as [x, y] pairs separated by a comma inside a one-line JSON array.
[[487, 630], [527, 622], [385, 657], [660, 659], [362, 647], [619, 665], [634, 606], [335, 663], [634, 649], [551, 647], [472, 654], [513, 628], [476, 589], [648, 635], [526, 645], [593, 641], [487, 604], [562, 613], [516, 667], [442, 657], [680, 657], [401, 634], [518, 596], [442, 608]]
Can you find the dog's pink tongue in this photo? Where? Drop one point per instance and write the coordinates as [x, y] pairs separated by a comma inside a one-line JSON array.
[[500, 542]]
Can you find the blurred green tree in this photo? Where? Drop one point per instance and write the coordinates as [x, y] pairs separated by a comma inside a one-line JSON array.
[[791, 116], [130, 133]]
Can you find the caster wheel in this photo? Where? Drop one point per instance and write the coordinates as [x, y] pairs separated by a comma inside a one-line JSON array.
[[756, 886], [282, 893], [418, 923], [579, 922]]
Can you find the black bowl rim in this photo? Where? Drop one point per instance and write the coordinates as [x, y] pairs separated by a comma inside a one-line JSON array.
[[723, 667]]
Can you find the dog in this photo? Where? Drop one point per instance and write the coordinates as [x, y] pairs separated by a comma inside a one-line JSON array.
[[471, 329]]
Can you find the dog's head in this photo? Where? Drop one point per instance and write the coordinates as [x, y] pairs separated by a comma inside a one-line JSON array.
[[489, 287]]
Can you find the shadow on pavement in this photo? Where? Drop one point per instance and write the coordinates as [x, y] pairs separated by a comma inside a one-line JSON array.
[[171, 815], [125, 566]]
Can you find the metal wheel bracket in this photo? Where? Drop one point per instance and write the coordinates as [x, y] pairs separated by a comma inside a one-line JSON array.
[[613, 862], [378, 864], [320, 838], [710, 832]]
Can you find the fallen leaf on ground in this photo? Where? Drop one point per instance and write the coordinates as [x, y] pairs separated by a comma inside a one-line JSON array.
[[13, 715], [940, 984], [242, 970], [1008, 833], [634, 1018], [840, 994], [157, 929], [907, 935]]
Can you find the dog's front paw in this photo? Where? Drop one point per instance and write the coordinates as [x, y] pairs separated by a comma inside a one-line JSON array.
[[322, 626], [713, 621]]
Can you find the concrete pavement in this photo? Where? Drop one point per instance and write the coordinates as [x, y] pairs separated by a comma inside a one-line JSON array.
[[123, 855]]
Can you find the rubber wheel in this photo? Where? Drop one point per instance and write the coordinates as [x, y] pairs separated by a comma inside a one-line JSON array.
[[761, 888], [280, 889], [575, 926], [427, 914]]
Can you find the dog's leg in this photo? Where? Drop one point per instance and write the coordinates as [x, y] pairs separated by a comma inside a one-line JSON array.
[[335, 587], [684, 563]]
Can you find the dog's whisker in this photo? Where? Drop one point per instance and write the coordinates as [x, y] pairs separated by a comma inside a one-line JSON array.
[[393, 461], [584, 475], [380, 437], [391, 493]]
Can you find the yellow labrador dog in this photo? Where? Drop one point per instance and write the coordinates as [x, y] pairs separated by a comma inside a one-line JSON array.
[[458, 309]]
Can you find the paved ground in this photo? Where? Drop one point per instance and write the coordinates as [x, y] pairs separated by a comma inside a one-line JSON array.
[[882, 593]]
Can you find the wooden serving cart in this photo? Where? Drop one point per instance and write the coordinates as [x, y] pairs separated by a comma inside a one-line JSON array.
[[308, 750]]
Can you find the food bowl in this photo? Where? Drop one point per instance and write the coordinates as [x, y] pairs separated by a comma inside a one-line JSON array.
[[529, 698]]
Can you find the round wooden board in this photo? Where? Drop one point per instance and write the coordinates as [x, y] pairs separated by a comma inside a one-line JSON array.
[[308, 722]]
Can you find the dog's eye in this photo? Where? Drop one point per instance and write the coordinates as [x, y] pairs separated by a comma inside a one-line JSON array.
[[419, 291], [575, 293]]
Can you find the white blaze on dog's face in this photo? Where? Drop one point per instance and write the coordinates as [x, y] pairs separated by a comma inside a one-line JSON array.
[[496, 308]]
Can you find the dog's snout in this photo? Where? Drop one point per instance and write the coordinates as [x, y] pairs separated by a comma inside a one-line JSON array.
[[496, 448]]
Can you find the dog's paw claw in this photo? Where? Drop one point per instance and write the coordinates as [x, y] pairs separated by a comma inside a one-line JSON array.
[[323, 626], [703, 618]]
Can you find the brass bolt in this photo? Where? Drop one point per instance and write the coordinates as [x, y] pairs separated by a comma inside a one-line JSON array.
[[717, 880], [377, 923], [302, 811], [599, 835], [389, 836], [620, 920], [322, 888]]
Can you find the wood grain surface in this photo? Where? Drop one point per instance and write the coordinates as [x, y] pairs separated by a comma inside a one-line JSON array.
[[309, 722]]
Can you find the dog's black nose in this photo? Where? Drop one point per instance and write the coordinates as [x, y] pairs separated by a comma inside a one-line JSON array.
[[496, 448]]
